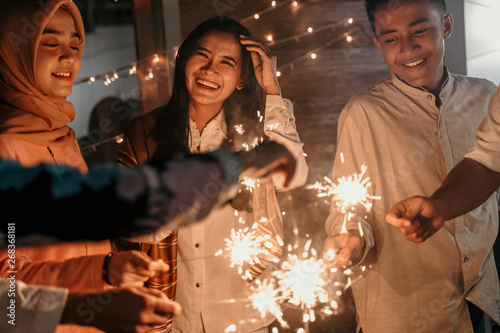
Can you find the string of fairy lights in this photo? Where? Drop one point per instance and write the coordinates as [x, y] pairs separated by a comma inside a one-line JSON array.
[[151, 64]]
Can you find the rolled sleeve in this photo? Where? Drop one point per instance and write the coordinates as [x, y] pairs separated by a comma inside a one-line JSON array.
[[279, 126], [487, 138]]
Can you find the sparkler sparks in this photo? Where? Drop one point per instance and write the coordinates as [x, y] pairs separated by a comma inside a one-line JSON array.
[[250, 183], [239, 129], [265, 299], [348, 194], [301, 279], [245, 247]]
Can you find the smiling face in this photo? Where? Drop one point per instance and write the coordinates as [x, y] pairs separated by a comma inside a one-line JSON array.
[[213, 70], [411, 38], [58, 58]]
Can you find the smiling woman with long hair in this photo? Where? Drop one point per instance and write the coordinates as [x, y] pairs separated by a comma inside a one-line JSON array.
[[225, 92]]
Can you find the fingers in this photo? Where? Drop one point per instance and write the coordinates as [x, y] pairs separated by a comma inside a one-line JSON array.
[[133, 268], [264, 62], [252, 44], [162, 305], [145, 265], [344, 248], [397, 215]]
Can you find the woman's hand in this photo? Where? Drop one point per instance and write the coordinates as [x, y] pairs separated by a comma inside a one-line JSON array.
[[264, 64], [132, 268]]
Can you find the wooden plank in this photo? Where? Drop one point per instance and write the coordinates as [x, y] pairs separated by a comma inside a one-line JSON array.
[[152, 67]]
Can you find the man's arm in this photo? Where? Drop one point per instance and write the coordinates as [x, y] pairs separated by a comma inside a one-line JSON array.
[[467, 186]]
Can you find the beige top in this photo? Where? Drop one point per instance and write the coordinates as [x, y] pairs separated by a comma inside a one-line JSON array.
[[409, 145], [486, 149]]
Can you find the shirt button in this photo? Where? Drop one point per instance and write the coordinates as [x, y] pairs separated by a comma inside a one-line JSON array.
[[197, 245], [198, 285], [429, 97], [466, 259]]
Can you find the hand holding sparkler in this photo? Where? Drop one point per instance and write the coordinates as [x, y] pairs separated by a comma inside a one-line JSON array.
[[345, 249], [131, 268], [417, 218]]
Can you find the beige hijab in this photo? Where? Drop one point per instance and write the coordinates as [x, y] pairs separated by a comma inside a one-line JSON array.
[[25, 112]]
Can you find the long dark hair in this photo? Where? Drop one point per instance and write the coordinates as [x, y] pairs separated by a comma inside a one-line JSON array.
[[171, 129]]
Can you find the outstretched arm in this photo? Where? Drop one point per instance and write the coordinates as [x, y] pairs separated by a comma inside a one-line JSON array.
[[114, 202], [466, 187]]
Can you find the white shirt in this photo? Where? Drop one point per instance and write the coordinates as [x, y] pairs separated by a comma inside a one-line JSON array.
[[486, 149], [210, 291], [409, 145]]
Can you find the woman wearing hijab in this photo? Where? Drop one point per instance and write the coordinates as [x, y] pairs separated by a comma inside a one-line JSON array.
[[41, 45]]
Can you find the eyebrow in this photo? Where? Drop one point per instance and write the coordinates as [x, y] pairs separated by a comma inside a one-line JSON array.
[[56, 32], [225, 57], [412, 24]]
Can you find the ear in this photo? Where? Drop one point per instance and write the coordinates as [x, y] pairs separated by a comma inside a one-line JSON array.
[[377, 42], [448, 25], [240, 85]]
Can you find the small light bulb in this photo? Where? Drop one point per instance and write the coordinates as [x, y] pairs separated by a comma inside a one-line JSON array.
[[273, 3], [313, 55], [310, 29], [349, 39], [270, 38], [278, 73], [350, 21], [256, 16], [295, 3]]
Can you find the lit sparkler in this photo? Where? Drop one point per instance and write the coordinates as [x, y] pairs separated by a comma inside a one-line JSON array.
[[239, 129], [266, 300], [348, 194], [302, 278], [245, 247], [250, 183]]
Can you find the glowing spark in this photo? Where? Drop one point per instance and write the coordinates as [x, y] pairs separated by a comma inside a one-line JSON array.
[[245, 246], [271, 127], [230, 328], [349, 193], [265, 299], [300, 279], [239, 129], [250, 183]]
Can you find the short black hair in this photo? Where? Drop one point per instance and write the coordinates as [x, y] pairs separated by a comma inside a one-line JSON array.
[[371, 7]]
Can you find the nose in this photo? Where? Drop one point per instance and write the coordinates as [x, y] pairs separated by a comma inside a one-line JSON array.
[[209, 67], [409, 44], [67, 55]]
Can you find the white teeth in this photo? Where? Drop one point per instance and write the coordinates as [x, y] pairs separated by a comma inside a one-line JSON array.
[[208, 84], [418, 62], [62, 74]]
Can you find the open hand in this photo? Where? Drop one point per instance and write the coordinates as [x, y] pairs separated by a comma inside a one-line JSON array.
[[264, 64]]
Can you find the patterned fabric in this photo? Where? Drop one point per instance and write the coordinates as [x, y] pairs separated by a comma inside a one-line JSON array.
[[165, 250]]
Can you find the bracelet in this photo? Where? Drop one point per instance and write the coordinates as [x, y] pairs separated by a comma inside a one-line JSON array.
[[105, 273]]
